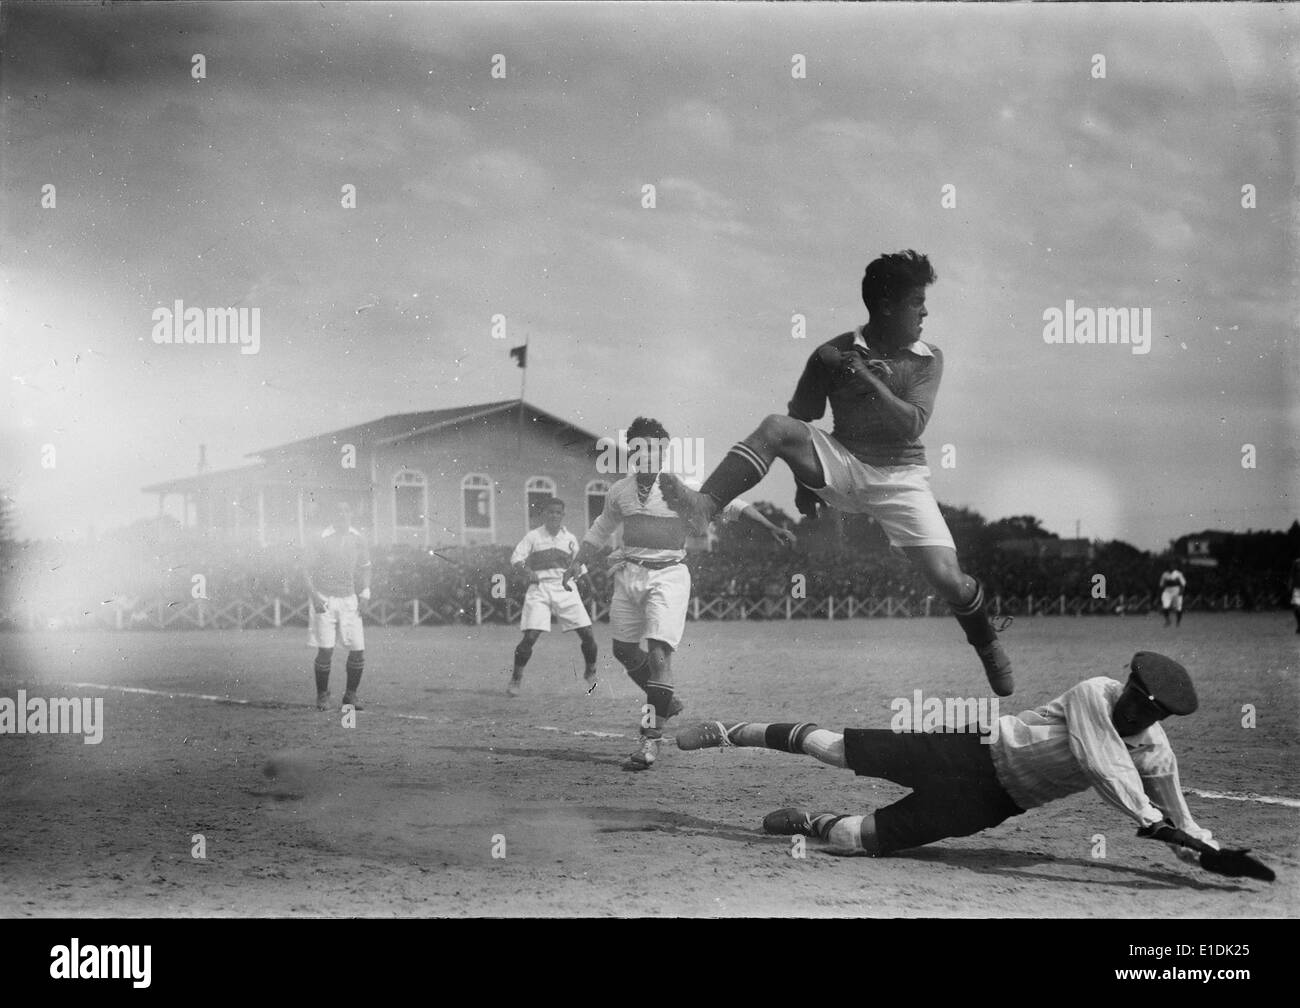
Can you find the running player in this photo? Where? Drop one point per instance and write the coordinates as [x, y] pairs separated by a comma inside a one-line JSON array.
[[335, 563], [1172, 587], [881, 381], [545, 554], [652, 584]]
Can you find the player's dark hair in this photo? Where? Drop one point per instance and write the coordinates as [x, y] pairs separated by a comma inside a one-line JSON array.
[[647, 429], [893, 275], [551, 502]]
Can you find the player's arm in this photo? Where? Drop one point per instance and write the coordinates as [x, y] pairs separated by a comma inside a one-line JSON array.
[[598, 536], [1101, 753], [906, 415], [365, 568], [519, 559], [783, 537], [809, 400], [1160, 781]]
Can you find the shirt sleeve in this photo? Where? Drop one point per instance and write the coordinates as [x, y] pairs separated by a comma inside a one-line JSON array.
[[522, 550], [606, 523], [809, 402], [1101, 753], [1158, 767], [922, 395]]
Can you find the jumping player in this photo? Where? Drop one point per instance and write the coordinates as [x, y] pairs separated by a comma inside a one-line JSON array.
[[652, 584], [1172, 587], [881, 381], [545, 554], [335, 563], [1099, 733]]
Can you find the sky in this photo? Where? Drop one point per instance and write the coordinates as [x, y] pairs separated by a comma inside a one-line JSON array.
[[521, 195]]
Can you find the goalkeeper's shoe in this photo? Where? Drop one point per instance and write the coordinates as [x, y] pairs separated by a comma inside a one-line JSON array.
[[788, 822], [645, 754], [696, 508], [350, 700], [323, 700], [706, 735], [997, 666]]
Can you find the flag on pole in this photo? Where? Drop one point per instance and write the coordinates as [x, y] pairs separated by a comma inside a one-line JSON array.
[[520, 354]]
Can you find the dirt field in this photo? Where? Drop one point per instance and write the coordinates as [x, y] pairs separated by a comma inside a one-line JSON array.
[[397, 815]]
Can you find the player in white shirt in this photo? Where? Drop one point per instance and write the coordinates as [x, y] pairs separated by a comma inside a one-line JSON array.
[[1172, 587], [1099, 734], [545, 554], [652, 584]]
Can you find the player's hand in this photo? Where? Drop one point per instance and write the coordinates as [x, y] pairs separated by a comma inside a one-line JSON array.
[[807, 501], [783, 537]]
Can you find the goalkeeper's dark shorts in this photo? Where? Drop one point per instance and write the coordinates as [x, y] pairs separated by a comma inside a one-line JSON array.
[[955, 790]]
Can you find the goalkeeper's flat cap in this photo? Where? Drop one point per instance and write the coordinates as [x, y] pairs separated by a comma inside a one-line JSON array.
[[1165, 681]]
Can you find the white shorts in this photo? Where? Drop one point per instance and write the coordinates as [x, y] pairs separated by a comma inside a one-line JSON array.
[[548, 597], [1172, 598], [898, 497], [341, 619], [650, 603]]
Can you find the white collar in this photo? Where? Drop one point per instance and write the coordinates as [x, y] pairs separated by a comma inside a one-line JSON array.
[[917, 347]]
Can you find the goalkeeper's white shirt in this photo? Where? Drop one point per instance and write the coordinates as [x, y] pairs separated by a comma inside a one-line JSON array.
[[1070, 745]]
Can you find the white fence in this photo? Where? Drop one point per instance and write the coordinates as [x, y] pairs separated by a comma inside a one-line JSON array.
[[250, 614]]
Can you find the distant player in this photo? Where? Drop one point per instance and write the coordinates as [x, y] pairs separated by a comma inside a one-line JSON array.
[[545, 554], [335, 563], [652, 584], [1172, 587], [1295, 591], [881, 381], [1099, 734]]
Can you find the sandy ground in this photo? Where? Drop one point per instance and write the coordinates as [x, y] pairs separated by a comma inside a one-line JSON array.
[[400, 814]]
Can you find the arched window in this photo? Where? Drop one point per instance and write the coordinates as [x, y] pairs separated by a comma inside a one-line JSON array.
[[410, 499], [597, 491], [476, 503], [537, 491]]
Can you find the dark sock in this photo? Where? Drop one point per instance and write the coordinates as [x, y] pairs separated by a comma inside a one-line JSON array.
[[974, 619], [660, 697], [356, 665], [640, 674], [787, 737], [322, 669], [523, 651], [740, 469]]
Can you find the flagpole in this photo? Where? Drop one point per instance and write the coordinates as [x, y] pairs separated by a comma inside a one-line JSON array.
[[523, 385]]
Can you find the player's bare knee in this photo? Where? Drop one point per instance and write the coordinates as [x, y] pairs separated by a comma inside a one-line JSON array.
[[628, 655]]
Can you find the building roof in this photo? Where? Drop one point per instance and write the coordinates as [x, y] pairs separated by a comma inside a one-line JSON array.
[[400, 426], [276, 464]]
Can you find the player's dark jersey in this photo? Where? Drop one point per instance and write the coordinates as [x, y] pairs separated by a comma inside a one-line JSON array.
[[860, 425], [335, 559]]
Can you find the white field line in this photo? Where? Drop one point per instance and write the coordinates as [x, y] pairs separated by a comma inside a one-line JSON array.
[[1217, 795], [174, 694]]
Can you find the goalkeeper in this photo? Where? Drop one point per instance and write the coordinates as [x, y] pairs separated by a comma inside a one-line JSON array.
[[1099, 733]]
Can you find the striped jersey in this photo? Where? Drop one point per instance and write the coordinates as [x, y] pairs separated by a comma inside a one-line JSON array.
[[1070, 745], [860, 424], [652, 531], [548, 556]]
